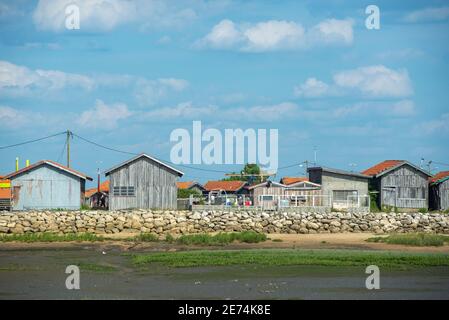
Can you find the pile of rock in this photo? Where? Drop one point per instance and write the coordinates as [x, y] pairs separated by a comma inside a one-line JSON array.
[[172, 221]]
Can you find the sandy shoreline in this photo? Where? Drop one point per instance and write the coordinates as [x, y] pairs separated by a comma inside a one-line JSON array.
[[350, 241]]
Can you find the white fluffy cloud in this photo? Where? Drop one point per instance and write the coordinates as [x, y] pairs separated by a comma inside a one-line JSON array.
[[276, 35], [104, 116], [428, 14], [311, 88], [376, 81], [19, 79], [370, 81], [438, 125], [105, 15], [149, 92]]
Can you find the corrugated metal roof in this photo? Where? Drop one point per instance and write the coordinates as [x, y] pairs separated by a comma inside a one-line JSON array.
[[51, 163]]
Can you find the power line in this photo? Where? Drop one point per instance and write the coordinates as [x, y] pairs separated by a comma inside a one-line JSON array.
[[62, 151], [135, 154], [35, 140], [440, 163]]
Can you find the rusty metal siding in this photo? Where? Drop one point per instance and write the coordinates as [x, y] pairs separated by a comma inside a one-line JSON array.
[[405, 187], [154, 185], [46, 187]]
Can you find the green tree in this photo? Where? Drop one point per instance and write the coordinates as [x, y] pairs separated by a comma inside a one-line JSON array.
[[249, 168], [185, 193]]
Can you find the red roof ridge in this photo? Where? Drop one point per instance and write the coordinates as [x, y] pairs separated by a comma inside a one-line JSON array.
[[382, 166], [438, 176]]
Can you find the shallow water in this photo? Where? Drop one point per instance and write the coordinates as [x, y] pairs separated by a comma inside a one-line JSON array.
[[40, 274]]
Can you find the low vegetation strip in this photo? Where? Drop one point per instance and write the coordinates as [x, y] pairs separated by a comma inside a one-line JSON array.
[[50, 237], [413, 239], [280, 257], [206, 239]]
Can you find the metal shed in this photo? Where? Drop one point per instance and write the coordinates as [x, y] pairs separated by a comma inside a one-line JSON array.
[[400, 184], [143, 182], [47, 185]]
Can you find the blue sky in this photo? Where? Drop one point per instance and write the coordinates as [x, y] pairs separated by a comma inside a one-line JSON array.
[[136, 70]]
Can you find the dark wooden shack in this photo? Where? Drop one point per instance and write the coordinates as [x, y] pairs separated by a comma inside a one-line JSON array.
[[143, 182], [400, 184], [439, 191]]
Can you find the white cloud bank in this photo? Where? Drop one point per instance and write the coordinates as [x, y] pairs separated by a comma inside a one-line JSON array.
[[428, 15], [105, 15], [370, 81], [104, 116], [19, 79], [276, 35]]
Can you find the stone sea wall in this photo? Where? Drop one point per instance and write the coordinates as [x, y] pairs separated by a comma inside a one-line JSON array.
[[164, 221]]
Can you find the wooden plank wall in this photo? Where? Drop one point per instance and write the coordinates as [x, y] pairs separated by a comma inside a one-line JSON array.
[[405, 187], [155, 186]]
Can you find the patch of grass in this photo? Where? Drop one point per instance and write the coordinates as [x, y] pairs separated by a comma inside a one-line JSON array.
[[413, 239], [221, 238], [50, 237], [423, 210], [277, 240], [169, 238], [84, 266], [284, 257], [146, 237]]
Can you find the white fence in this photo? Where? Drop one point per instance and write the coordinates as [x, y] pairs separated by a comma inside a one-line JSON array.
[[275, 202]]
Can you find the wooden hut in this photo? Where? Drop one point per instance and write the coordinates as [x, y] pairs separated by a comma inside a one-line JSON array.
[[143, 182], [47, 185], [400, 184], [439, 191]]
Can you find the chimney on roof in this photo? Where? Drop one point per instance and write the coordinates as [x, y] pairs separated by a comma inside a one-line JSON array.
[[17, 163], [27, 163]]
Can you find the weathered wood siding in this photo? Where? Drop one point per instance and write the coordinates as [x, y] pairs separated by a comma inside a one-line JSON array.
[[443, 189], [46, 187], [439, 196], [154, 184], [404, 187]]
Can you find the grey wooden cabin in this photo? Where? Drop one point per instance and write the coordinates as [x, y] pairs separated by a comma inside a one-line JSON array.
[[439, 191], [400, 184], [143, 182], [47, 185]]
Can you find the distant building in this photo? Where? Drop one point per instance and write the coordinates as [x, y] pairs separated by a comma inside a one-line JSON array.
[[47, 185], [399, 184], [274, 195], [290, 180], [343, 189], [143, 182], [439, 191], [98, 197], [229, 187], [191, 185]]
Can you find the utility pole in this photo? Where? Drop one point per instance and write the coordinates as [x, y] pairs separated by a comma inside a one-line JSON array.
[[69, 134], [314, 155]]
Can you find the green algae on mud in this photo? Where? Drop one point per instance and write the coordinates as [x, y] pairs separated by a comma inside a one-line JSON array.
[[285, 257]]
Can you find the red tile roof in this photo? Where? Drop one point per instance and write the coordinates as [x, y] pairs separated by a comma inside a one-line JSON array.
[[380, 167], [230, 186], [184, 184], [104, 187], [50, 162], [439, 176], [291, 180]]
